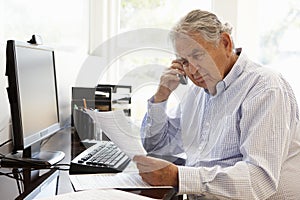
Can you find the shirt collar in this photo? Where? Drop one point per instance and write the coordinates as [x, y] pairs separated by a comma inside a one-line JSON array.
[[233, 74]]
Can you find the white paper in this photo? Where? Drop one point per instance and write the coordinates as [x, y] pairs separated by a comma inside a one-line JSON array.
[[106, 181], [111, 194], [120, 130]]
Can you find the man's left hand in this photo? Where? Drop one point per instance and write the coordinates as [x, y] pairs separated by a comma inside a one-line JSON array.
[[156, 171]]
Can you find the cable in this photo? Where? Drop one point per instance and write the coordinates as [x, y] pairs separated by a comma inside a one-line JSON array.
[[59, 165], [16, 174], [44, 141], [19, 163], [4, 143], [62, 164], [9, 175], [66, 125]]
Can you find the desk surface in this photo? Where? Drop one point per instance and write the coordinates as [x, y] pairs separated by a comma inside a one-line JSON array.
[[66, 141], [61, 141]]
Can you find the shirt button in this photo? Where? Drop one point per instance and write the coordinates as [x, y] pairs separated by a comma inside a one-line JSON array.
[[207, 124]]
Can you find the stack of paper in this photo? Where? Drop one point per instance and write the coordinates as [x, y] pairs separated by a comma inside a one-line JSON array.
[[105, 181], [99, 195]]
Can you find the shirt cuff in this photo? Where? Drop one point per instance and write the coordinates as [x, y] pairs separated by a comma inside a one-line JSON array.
[[189, 181], [157, 111]]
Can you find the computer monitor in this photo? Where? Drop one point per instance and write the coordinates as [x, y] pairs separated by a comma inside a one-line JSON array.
[[32, 94]]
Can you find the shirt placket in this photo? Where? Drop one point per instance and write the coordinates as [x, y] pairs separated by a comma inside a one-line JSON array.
[[205, 127]]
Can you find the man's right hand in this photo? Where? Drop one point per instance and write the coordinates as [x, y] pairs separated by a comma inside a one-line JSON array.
[[169, 81]]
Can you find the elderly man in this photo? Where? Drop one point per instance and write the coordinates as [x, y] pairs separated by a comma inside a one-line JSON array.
[[236, 124]]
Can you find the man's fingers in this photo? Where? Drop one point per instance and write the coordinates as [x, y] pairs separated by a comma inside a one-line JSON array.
[[149, 164], [144, 169], [139, 158], [178, 64], [143, 159]]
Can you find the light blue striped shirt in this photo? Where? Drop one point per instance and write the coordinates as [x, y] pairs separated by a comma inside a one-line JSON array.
[[240, 143]]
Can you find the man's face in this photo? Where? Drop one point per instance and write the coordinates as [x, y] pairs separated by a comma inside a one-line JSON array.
[[203, 61]]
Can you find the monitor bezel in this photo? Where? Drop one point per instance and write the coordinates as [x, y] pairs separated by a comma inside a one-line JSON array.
[[19, 141]]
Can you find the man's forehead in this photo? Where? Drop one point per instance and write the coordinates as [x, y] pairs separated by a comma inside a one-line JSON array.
[[188, 46]]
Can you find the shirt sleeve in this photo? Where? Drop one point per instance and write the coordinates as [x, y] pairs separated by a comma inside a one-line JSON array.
[[161, 133], [265, 128]]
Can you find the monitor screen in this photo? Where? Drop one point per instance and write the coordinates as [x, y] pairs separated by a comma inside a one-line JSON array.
[[32, 93]]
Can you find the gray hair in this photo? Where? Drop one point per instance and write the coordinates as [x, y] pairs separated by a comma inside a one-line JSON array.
[[201, 22]]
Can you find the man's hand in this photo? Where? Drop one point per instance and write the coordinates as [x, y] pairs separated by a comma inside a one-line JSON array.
[[156, 171], [169, 81]]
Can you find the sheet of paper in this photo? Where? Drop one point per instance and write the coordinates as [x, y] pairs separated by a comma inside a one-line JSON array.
[[120, 130], [111, 194], [106, 181]]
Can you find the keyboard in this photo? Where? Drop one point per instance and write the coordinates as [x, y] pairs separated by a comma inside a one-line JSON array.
[[102, 157]]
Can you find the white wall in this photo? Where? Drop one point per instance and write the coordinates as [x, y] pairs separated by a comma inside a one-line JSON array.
[[227, 11], [244, 30]]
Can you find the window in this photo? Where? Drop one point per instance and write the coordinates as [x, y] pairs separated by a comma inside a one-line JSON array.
[[280, 30], [141, 66], [271, 36], [156, 13]]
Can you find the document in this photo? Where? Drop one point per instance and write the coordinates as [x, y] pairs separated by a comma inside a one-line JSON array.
[[111, 194], [120, 130], [111, 180]]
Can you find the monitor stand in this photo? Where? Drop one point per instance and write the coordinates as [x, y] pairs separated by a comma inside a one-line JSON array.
[[32, 157], [35, 153], [51, 157], [39, 158]]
